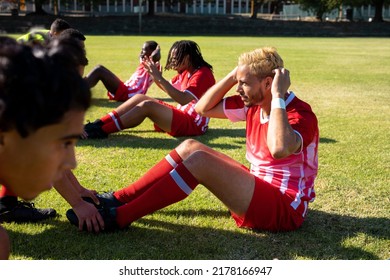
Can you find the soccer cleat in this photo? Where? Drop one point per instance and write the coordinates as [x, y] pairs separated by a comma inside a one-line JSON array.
[[25, 212], [94, 130], [107, 200], [108, 215]]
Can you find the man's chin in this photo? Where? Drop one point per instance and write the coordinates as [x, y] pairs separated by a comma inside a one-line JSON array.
[[28, 196], [247, 104]]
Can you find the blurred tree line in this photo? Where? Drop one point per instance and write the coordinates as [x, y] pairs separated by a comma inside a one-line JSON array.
[[319, 7]]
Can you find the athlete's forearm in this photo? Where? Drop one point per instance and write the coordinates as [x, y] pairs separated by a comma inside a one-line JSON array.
[[69, 188], [180, 97], [214, 95]]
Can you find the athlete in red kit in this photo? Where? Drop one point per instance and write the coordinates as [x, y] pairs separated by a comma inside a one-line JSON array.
[[281, 142], [194, 77]]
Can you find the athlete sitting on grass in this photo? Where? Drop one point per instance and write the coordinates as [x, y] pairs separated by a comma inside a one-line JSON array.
[[281, 140], [194, 77], [138, 83]]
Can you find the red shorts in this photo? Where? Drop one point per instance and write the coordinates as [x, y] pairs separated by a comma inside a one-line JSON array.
[[269, 210], [123, 93], [182, 124]]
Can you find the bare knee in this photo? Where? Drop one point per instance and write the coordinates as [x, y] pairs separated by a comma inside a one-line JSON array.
[[97, 73], [188, 147], [137, 100], [143, 101], [191, 144], [99, 68], [149, 106]]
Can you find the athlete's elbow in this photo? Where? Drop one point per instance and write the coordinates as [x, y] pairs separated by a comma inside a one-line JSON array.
[[279, 152], [278, 155]]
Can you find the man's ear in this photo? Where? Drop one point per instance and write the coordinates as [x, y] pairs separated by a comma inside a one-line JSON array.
[[268, 83]]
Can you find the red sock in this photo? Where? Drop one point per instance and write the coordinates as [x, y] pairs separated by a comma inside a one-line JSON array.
[[106, 119], [171, 188], [154, 174], [112, 123], [6, 192]]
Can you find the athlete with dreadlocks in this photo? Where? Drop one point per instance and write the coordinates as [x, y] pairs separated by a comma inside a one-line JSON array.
[[194, 77]]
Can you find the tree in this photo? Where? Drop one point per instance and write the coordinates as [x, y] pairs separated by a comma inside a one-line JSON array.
[[378, 4], [150, 7], [39, 7], [255, 5], [378, 10], [319, 7]]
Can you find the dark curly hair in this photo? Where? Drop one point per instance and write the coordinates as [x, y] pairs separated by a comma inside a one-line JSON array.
[[37, 87]]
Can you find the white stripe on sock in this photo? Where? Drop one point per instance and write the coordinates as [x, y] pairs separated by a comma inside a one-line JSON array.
[[115, 121], [180, 182], [171, 161]]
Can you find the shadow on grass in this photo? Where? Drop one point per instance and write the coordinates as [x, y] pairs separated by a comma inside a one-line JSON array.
[[322, 236], [131, 138], [111, 105], [105, 103], [325, 140], [128, 138]]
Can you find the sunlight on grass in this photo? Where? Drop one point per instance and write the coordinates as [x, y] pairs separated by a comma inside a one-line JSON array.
[[345, 80]]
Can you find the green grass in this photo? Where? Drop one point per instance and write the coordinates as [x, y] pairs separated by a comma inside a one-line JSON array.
[[346, 80]]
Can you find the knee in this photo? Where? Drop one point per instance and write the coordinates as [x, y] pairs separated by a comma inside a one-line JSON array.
[[188, 147], [192, 150], [4, 244], [141, 100], [191, 144], [138, 100], [147, 104], [99, 69]]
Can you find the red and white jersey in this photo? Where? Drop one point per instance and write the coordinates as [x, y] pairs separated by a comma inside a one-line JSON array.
[[196, 84], [293, 175], [139, 82]]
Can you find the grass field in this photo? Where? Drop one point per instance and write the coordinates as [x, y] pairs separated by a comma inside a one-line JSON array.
[[346, 80]]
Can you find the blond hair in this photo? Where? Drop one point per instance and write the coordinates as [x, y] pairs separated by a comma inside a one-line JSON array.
[[261, 61]]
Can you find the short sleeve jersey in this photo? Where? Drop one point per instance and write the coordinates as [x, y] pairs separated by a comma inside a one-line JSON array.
[[294, 175], [139, 82], [196, 84]]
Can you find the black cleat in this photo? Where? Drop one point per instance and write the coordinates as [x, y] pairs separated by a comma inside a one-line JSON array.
[[94, 130], [25, 212], [108, 215], [107, 200]]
